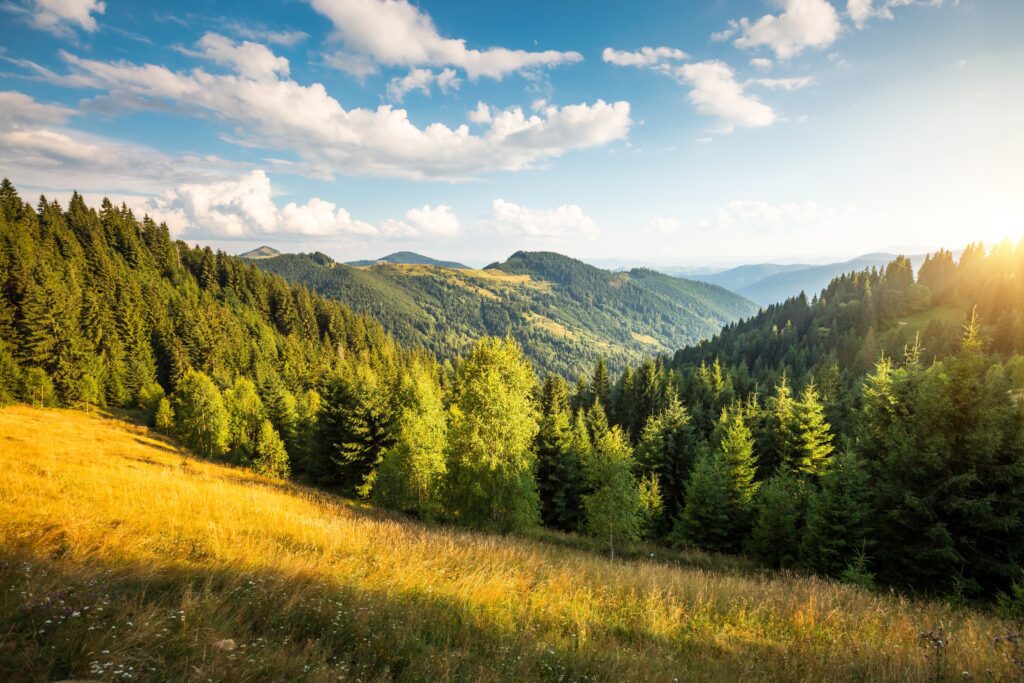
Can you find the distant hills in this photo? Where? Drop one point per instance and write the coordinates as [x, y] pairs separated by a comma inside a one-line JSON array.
[[770, 283], [261, 252], [408, 258], [564, 312]]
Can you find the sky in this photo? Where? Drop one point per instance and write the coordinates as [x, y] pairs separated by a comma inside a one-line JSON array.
[[683, 133]]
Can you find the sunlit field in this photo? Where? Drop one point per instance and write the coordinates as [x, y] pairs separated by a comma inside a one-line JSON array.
[[125, 558]]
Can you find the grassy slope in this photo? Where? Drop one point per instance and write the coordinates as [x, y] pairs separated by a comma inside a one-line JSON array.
[[122, 554]]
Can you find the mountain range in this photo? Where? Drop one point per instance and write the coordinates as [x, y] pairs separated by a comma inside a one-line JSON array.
[[565, 313]]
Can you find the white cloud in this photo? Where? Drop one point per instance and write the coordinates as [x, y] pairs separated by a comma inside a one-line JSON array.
[[396, 33], [244, 207], [761, 63], [567, 220], [36, 148], [60, 16], [788, 84], [664, 226], [802, 24], [427, 221], [275, 112], [482, 113], [644, 57], [251, 60], [716, 92], [421, 80], [861, 11]]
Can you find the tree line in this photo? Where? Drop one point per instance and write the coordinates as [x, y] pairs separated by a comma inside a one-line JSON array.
[[919, 483]]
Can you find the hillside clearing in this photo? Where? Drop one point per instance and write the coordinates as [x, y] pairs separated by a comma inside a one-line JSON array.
[[123, 557]]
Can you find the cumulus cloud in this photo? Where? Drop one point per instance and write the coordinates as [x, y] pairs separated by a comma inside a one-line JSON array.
[[272, 111], [251, 60], [421, 80], [568, 220], [482, 113], [761, 63], [644, 57], [802, 24], [716, 92], [60, 17], [37, 146], [426, 221], [397, 33], [861, 11], [244, 207]]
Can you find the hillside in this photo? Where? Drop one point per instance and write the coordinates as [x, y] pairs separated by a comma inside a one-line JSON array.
[[564, 313], [135, 561], [409, 258], [260, 252]]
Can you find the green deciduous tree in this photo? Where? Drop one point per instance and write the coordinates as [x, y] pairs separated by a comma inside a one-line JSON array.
[[201, 420], [613, 507], [493, 422], [270, 457]]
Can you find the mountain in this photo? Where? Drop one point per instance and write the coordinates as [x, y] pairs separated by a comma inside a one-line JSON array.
[[409, 258], [770, 283], [261, 252], [564, 312]]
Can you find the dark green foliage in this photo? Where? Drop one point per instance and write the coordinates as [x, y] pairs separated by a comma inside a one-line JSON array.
[[559, 466], [839, 517], [778, 519], [667, 449], [708, 520]]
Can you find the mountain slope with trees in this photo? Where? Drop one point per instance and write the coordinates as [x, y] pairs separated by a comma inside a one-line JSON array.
[[563, 312]]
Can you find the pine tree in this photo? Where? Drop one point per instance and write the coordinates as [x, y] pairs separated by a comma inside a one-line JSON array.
[[559, 471], [271, 458], [838, 528], [492, 426], [613, 508], [708, 518], [813, 435], [668, 448], [778, 519]]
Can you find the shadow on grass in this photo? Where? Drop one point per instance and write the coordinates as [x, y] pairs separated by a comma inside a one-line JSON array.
[[64, 618]]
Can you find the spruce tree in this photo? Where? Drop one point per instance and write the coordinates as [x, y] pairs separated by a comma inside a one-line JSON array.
[[668, 448], [778, 519], [813, 445], [839, 516], [708, 520], [559, 471]]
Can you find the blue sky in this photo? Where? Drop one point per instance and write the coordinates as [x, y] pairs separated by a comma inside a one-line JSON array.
[[691, 133]]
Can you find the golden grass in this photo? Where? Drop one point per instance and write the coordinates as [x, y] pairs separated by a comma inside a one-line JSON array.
[[122, 557], [645, 339]]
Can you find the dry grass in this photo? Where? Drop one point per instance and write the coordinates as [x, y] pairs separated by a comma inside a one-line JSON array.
[[124, 558]]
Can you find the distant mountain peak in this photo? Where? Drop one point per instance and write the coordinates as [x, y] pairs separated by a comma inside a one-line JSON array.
[[409, 258], [261, 252]]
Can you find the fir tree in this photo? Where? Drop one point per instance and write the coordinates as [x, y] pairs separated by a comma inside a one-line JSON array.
[[708, 518], [559, 471], [813, 445], [838, 528]]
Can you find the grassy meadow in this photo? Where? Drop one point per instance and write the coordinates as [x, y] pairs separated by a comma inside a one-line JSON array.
[[123, 558]]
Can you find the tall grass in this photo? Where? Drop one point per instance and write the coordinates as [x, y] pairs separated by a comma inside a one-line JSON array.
[[124, 558]]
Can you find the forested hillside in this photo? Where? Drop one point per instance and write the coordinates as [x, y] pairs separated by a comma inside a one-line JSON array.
[[564, 313], [409, 258], [873, 434]]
